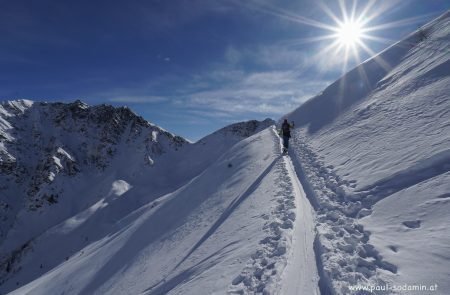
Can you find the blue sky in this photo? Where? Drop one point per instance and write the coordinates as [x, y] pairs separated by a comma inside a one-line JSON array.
[[190, 66]]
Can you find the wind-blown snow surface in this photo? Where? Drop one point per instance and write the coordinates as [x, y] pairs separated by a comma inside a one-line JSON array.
[[229, 229], [373, 155], [99, 201]]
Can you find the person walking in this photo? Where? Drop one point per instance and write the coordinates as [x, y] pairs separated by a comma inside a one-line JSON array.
[[286, 134]]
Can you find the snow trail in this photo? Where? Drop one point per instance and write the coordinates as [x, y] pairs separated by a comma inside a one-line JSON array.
[[285, 262], [287, 255], [262, 273], [373, 159], [342, 247], [301, 274]]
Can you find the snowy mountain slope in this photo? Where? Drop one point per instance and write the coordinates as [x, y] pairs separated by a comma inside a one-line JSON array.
[[196, 157], [403, 62], [416, 238], [136, 210], [58, 151], [372, 152], [230, 228], [64, 162]]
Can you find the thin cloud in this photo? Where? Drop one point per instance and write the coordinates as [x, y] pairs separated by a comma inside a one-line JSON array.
[[278, 56], [210, 114], [232, 55], [270, 93], [269, 79], [281, 86], [138, 99]]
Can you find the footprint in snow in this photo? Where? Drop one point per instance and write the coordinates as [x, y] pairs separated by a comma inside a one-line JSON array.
[[393, 248], [412, 223]]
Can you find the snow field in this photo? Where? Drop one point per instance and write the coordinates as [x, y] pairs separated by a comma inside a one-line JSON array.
[[228, 229], [374, 162], [410, 229], [343, 246]]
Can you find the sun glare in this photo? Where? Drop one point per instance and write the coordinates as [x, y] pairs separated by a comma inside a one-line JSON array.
[[349, 33]]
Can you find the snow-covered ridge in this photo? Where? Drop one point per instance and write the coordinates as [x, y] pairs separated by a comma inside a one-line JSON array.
[[227, 228], [60, 159], [374, 74], [50, 150], [372, 153], [242, 129]]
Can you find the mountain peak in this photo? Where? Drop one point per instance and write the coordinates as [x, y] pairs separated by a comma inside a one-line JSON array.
[[242, 129]]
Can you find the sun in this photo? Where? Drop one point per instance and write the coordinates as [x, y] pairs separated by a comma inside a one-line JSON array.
[[349, 34]]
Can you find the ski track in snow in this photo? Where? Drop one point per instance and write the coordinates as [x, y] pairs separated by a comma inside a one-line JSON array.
[[388, 142], [343, 249], [301, 275], [342, 246]]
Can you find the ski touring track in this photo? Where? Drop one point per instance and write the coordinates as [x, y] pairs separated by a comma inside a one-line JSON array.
[[285, 262], [301, 274], [343, 252]]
